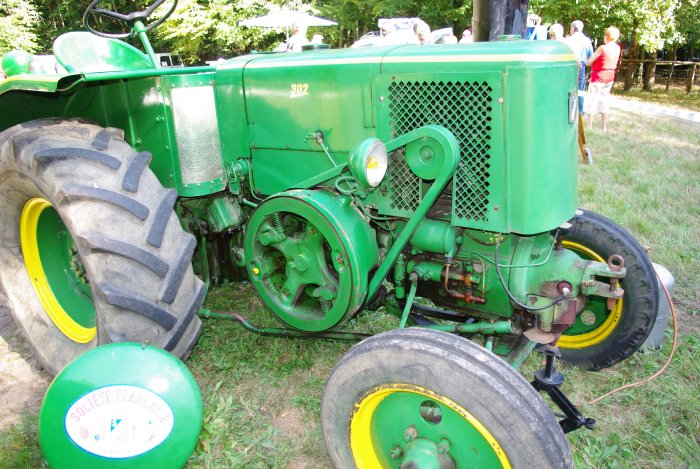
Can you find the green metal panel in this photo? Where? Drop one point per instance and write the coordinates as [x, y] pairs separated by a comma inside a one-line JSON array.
[[231, 109], [278, 170], [541, 146], [290, 96]]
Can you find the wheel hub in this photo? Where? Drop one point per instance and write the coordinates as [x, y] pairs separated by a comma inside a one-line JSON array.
[[423, 453]]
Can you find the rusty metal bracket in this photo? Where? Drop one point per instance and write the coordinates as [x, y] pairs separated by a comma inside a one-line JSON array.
[[614, 270]]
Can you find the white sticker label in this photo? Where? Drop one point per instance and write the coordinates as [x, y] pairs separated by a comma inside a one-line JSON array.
[[119, 421]]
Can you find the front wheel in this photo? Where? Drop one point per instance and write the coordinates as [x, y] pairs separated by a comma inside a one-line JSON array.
[[422, 398], [601, 337]]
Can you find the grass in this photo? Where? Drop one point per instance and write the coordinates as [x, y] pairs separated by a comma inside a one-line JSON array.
[[674, 97], [262, 395]]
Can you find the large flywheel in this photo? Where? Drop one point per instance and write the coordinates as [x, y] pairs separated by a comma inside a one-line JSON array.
[[309, 254]]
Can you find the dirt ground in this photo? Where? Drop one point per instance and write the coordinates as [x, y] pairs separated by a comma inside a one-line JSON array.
[[22, 383]]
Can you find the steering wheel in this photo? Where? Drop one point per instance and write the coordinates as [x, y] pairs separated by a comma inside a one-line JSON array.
[[129, 19]]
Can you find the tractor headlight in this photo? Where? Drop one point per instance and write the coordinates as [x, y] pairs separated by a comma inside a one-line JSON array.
[[368, 162]]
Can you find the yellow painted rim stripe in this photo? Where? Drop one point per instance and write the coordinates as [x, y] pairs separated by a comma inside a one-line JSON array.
[[47, 77], [601, 332], [30, 250], [361, 445], [542, 58], [546, 58]]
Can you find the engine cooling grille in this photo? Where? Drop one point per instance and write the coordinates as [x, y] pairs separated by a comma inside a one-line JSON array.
[[465, 109], [405, 194]]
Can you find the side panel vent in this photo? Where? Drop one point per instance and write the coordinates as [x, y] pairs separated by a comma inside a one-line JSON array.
[[466, 108], [405, 194]]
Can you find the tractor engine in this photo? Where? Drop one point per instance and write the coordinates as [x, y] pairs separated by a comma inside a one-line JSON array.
[[447, 171]]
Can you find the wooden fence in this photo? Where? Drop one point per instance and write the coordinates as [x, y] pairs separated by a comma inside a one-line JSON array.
[[668, 72]]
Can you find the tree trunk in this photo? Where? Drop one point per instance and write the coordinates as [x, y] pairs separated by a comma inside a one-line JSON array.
[[480, 21], [691, 78], [670, 74], [649, 76], [497, 18], [632, 57], [493, 18]]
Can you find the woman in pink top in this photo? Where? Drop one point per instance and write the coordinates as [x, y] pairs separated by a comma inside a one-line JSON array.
[[603, 64]]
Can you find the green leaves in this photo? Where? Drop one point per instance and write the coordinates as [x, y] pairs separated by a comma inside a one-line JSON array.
[[649, 24], [207, 30], [18, 23]]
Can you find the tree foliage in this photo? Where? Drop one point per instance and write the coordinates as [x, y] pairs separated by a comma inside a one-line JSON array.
[[201, 30], [207, 29], [19, 22], [647, 24]]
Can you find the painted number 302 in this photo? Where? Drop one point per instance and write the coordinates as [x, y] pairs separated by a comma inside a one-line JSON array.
[[299, 89]]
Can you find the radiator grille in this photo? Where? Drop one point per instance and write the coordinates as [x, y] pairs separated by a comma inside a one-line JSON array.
[[464, 108], [405, 192]]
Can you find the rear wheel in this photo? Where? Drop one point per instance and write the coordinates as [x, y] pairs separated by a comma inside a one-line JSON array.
[[601, 337], [435, 400], [92, 251]]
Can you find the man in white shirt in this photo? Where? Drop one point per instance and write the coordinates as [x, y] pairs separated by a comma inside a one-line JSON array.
[[583, 50], [297, 39]]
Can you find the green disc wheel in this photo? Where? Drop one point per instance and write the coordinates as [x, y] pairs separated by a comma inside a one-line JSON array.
[[92, 251], [601, 337], [422, 398], [309, 257]]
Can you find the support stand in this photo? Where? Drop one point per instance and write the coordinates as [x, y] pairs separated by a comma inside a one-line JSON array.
[[549, 380]]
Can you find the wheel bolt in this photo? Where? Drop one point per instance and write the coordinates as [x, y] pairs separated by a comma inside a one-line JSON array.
[[444, 446], [410, 434], [340, 260], [396, 453]]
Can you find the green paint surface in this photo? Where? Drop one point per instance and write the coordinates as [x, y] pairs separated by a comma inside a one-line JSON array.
[[63, 268]]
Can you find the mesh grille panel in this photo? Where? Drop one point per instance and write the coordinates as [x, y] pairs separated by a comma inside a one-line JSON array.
[[405, 186], [465, 109]]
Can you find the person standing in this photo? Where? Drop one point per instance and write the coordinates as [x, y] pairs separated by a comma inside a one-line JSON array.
[[556, 32], [466, 37], [422, 31], [583, 50], [297, 39], [603, 63]]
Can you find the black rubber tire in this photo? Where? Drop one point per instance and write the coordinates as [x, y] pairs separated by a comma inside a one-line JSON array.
[[641, 298], [476, 379], [135, 253]]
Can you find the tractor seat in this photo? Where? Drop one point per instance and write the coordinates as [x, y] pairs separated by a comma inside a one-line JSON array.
[[85, 52]]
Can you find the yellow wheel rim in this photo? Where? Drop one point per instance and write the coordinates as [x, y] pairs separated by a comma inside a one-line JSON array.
[[29, 222], [601, 332], [363, 436]]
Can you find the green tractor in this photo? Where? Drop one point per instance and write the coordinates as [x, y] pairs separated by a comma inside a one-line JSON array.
[[438, 182]]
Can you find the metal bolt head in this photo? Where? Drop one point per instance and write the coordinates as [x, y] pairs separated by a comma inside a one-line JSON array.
[[396, 453], [340, 260], [444, 446], [587, 317], [410, 434]]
